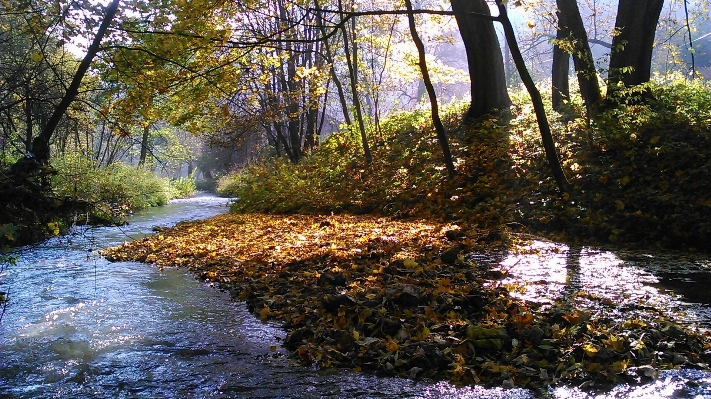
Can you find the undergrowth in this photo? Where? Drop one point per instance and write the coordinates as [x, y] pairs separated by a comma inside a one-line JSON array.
[[116, 190], [640, 172]]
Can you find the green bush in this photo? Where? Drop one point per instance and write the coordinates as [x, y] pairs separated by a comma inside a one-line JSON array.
[[112, 191], [183, 187]]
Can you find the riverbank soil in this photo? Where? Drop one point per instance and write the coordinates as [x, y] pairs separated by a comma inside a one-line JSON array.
[[406, 297]]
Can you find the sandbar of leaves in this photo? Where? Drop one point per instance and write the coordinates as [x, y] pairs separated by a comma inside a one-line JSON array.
[[403, 297]]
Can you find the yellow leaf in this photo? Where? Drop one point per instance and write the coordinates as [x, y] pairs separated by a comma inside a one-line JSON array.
[[424, 333], [410, 263], [590, 349], [264, 312], [615, 343], [391, 346], [36, 56], [619, 366], [225, 108], [619, 205]]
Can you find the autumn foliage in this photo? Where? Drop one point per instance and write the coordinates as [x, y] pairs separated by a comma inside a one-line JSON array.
[[639, 172], [408, 298], [411, 288]]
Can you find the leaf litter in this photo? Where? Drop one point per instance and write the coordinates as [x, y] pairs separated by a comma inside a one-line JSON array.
[[402, 297]]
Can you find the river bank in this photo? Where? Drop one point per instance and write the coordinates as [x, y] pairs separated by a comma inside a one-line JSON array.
[[422, 299]]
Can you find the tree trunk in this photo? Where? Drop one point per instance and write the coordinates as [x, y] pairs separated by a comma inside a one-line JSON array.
[[354, 88], [571, 23], [543, 125], [441, 133], [291, 88], [631, 56], [486, 65], [332, 69], [144, 145], [560, 69]]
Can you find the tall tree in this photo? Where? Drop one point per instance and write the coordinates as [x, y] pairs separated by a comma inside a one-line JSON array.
[[543, 125], [575, 42], [633, 42], [560, 67], [41, 142], [486, 64], [441, 133], [353, 74]]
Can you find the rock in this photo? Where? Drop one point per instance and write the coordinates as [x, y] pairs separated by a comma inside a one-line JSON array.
[[333, 302], [453, 234], [390, 326], [451, 255], [336, 280], [679, 359], [409, 296], [296, 337], [535, 336]]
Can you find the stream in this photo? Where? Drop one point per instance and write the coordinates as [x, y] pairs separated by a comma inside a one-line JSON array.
[[77, 326]]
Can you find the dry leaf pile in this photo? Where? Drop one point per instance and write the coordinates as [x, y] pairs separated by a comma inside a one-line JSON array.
[[401, 297]]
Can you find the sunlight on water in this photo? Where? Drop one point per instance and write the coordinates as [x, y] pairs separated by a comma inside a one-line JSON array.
[[555, 274]]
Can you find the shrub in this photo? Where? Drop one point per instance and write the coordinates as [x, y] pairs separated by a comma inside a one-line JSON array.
[[112, 191], [183, 187], [640, 171]]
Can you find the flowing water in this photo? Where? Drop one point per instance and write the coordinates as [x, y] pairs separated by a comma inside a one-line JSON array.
[[78, 326]]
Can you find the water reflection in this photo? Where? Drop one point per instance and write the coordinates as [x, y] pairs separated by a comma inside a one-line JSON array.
[[576, 277]]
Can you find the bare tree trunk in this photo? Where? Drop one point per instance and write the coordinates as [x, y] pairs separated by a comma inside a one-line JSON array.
[[571, 23], [354, 88], [559, 74], [543, 125], [332, 69], [144, 145], [631, 56], [441, 133]]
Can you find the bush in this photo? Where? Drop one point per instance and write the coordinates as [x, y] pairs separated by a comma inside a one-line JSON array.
[[113, 191], [183, 187]]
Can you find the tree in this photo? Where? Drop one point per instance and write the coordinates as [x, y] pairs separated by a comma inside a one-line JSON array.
[[633, 42], [486, 64], [436, 121], [543, 125], [573, 38], [41, 142], [560, 68], [352, 63]]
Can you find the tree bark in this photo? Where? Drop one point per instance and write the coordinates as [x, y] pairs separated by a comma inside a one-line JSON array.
[[441, 133], [631, 56], [559, 72], [543, 125], [486, 64], [332, 69], [144, 145]]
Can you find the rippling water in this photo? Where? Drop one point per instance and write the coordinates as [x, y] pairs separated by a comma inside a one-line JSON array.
[[79, 327]]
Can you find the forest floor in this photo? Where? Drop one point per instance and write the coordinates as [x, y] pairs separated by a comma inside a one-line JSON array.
[[418, 299]]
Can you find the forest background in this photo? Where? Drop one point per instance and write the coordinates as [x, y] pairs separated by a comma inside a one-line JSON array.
[[204, 89]]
